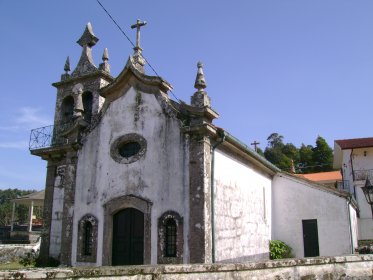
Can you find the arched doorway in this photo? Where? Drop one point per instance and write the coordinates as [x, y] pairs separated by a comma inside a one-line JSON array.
[[128, 237]]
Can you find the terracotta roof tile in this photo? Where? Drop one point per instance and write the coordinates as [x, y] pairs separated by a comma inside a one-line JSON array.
[[322, 176], [355, 143]]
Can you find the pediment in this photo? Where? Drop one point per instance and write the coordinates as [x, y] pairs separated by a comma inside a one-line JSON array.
[[132, 77]]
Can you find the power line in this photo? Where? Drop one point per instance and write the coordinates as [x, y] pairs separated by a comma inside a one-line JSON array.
[[121, 30]]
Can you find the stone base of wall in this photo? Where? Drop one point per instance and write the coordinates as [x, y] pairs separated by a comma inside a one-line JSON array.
[[14, 252], [326, 268]]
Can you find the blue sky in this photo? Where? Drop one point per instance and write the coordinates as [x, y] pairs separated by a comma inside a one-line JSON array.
[[299, 68]]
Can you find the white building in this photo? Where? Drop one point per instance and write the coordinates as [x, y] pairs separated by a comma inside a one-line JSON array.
[[134, 177], [355, 158]]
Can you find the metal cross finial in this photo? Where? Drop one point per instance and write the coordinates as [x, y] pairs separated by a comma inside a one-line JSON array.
[[255, 144], [138, 25]]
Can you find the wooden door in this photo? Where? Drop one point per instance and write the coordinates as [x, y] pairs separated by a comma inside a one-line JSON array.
[[128, 237], [310, 238]]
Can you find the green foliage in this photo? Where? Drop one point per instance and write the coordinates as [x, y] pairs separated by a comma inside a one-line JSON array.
[[21, 213], [275, 152], [279, 250], [275, 140], [306, 159], [260, 151], [29, 259], [322, 154]]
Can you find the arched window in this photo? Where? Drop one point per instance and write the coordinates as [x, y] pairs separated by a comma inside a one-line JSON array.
[[170, 238], [87, 105], [67, 109], [87, 239]]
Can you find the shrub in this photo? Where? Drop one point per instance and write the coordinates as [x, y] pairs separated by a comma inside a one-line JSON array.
[[279, 250], [29, 259]]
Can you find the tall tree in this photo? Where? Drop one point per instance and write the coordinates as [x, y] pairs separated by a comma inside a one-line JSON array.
[[306, 163], [274, 152], [322, 156], [275, 140], [307, 159]]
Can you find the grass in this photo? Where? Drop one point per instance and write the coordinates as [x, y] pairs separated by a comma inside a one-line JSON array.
[[11, 265]]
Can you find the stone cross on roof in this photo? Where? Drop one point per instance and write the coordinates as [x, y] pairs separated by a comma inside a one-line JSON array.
[[138, 25]]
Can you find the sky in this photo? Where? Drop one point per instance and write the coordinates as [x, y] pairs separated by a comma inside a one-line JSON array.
[[298, 68]]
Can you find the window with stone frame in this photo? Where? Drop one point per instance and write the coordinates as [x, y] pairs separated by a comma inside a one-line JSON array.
[[170, 238], [87, 239], [67, 109], [87, 99]]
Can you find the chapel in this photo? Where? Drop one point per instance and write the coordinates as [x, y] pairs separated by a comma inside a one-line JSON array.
[[134, 177]]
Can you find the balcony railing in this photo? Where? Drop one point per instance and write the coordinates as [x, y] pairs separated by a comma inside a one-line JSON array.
[[363, 174], [48, 136]]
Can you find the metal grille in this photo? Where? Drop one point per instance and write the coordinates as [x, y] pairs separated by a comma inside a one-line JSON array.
[[170, 239], [88, 244], [48, 136], [41, 137]]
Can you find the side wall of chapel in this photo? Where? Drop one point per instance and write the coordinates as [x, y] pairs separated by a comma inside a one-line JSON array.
[[242, 202]]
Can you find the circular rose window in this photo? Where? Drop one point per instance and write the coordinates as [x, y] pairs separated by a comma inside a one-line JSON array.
[[128, 148]]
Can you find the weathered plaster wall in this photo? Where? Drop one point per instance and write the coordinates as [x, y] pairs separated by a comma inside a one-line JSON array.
[[56, 222], [242, 210], [294, 201], [355, 162], [159, 176], [348, 267]]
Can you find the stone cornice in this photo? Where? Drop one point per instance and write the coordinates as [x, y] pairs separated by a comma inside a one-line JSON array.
[[70, 80]]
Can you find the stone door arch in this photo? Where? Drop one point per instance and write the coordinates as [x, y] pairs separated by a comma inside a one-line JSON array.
[[113, 207]]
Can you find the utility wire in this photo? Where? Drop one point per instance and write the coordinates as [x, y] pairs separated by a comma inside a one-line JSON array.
[[125, 35]]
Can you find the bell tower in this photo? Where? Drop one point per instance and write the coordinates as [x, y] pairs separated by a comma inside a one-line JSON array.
[[78, 98], [78, 106]]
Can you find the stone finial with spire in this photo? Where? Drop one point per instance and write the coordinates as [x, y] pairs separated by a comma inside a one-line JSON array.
[[105, 66], [200, 98], [67, 69], [86, 41]]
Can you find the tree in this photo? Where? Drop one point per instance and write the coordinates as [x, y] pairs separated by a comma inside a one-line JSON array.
[[275, 140], [274, 152], [305, 159], [260, 151], [322, 156]]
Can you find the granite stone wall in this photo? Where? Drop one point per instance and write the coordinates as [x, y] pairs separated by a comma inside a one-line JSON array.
[[345, 267]]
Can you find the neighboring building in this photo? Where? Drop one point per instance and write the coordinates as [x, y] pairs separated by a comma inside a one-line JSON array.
[[327, 216], [331, 179], [134, 177], [355, 159]]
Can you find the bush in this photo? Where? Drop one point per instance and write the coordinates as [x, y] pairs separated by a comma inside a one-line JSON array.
[[29, 259], [279, 250]]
